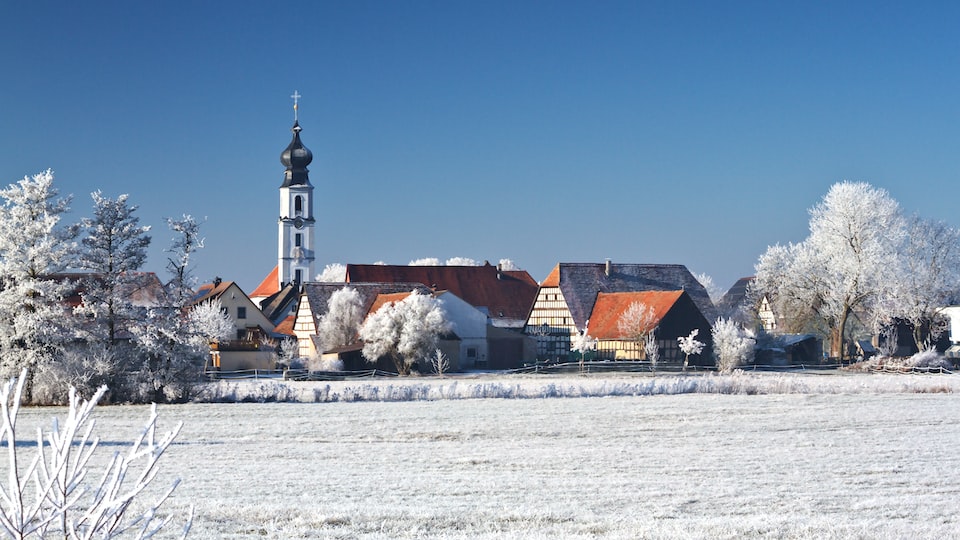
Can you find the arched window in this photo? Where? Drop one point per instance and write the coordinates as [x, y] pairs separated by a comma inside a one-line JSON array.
[[298, 205]]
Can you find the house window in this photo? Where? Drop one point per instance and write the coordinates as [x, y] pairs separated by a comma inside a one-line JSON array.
[[241, 312], [298, 205], [472, 352]]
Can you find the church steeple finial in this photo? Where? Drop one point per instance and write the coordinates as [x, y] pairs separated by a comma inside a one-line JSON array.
[[296, 106], [296, 156]]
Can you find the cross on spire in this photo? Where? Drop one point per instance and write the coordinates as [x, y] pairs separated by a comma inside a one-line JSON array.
[[296, 100]]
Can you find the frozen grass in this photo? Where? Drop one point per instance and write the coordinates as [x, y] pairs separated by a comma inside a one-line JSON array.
[[856, 456], [541, 386]]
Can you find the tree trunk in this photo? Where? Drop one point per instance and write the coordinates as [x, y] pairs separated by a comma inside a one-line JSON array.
[[836, 339]]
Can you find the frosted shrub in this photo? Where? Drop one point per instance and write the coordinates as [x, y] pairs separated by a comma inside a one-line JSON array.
[[690, 345], [439, 362], [651, 348], [85, 369], [318, 363], [55, 495], [733, 345], [928, 358]]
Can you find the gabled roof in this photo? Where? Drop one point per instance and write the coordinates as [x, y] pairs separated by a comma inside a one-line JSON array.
[[209, 291], [580, 283], [269, 286], [604, 321], [280, 304], [286, 326], [504, 294], [386, 298], [736, 297], [318, 294]]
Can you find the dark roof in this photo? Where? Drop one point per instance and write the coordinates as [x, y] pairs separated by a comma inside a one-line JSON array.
[[295, 158], [318, 294], [580, 283], [503, 294], [279, 305], [736, 297]]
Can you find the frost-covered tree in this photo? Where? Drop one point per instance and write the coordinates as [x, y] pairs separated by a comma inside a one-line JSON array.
[[339, 326], [33, 245], [843, 266], [713, 290], [637, 322], [427, 261], [651, 349], [732, 344], [113, 245], [210, 323], [462, 261], [582, 342], [173, 346], [405, 331], [928, 278], [333, 273], [690, 345], [507, 264]]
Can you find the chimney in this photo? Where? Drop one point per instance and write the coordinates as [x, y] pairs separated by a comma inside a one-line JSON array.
[[499, 271], [608, 268]]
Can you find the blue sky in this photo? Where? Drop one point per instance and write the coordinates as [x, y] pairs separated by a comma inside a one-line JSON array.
[[651, 132]]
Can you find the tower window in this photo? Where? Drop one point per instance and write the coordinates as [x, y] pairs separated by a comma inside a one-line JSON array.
[[298, 276], [298, 240], [298, 205]]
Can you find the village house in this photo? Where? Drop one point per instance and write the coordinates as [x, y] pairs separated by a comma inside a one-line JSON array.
[[674, 315], [314, 303], [465, 346], [253, 345], [505, 296], [568, 296]]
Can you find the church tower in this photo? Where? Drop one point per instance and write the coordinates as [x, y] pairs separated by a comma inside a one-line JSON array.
[[296, 255]]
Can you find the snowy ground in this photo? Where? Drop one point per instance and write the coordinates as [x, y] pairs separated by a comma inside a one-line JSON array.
[[850, 456]]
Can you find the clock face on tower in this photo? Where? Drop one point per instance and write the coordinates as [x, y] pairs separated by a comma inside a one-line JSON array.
[[298, 222]]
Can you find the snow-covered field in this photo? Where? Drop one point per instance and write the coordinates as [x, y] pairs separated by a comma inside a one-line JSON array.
[[787, 456]]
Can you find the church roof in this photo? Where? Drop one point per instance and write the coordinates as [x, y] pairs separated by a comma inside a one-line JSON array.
[[580, 283], [502, 294], [269, 286], [295, 157]]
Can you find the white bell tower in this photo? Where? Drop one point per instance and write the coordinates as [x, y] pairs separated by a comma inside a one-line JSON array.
[[296, 224]]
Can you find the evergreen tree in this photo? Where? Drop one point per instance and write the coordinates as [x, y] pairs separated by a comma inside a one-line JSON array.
[[113, 246], [33, 247]]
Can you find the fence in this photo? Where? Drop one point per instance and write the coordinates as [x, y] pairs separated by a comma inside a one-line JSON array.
[[552, 367]]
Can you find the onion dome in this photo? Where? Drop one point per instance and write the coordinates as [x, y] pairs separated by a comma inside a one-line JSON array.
[[295, 158]]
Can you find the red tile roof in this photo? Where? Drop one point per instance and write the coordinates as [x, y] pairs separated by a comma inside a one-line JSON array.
[[552, 280], [269, 286], [286, 326], [610, 306], [505, 294], [384, 299]]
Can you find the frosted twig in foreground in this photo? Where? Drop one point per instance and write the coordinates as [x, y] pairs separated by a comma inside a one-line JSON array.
[[63, 505]]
